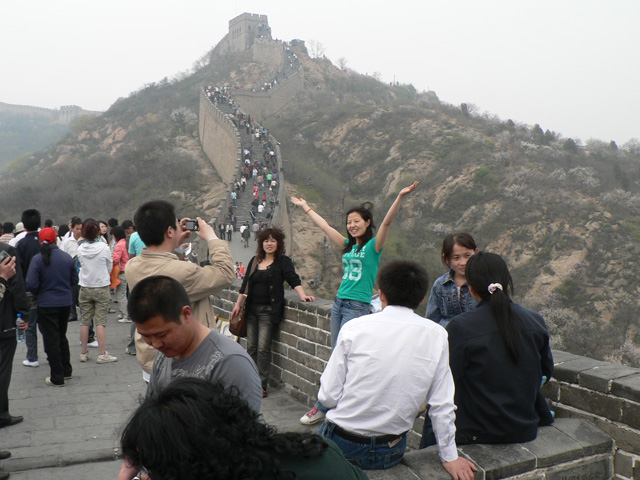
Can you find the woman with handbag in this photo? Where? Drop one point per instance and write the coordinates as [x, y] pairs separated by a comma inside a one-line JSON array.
[[262, 297]]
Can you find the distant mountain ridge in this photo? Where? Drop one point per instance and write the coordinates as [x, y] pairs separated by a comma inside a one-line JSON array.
[[64, 114], [25, 129]]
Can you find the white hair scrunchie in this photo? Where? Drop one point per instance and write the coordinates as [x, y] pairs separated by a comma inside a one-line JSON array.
[[493, 287]]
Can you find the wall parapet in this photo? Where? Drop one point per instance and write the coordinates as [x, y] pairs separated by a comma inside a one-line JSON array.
[[263, 104], [589, 397], [221, 144]]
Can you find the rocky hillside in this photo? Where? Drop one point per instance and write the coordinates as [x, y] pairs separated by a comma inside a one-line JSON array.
[[564, 215]]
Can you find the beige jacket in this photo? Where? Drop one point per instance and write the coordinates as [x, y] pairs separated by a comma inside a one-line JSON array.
[[199, 282]]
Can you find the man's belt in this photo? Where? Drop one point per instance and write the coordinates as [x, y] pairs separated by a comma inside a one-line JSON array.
[[353, 437]]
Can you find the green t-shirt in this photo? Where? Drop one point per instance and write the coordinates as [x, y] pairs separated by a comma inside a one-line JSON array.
[[360, 270]]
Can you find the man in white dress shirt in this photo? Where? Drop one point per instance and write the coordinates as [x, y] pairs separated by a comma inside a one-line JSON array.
[[381, 371]]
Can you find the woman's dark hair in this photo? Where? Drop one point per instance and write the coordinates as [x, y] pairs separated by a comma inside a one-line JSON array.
[[365, 211], [484, 269], [118, 233], [45, 250], [63, 230], [463, 239], [196, 429], [106, 235], [278, 236], [47, 236], [90, 230]]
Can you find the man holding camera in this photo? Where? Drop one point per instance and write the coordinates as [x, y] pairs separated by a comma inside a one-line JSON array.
[[162, 233]]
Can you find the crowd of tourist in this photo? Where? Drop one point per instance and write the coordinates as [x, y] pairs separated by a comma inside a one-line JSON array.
[[258, 174], [371, 389], [474, 366]]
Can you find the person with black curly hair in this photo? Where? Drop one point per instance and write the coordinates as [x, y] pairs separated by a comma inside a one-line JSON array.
[[195, 429]]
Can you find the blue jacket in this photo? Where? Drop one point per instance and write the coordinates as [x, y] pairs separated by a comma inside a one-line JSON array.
[[445, 303], [52, 284]]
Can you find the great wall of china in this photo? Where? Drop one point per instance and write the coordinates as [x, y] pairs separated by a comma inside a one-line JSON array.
[[597, 404]]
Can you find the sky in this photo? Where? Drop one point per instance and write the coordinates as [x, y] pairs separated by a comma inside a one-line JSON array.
[[567, 65]]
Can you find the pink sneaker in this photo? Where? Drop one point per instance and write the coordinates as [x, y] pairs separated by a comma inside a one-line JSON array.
[[312, 416]]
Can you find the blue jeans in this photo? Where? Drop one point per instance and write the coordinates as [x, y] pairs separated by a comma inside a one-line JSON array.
[[259, 333], [370, 456], [343, 311]]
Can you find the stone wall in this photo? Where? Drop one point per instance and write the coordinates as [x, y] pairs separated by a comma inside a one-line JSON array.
[[281, 217], [268, 51], [598, 394], [64, 115], [220, 139], [264, 104], [605, 394]]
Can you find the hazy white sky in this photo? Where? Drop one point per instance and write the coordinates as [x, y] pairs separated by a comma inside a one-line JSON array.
[[570, 65]]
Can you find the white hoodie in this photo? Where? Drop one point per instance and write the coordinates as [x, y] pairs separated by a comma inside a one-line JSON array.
[[95, 264]]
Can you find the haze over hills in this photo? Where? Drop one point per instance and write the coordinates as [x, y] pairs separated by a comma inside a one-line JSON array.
[[564, 216]]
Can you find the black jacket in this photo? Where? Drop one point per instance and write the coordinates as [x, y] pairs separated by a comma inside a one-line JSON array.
[[27, 248], [279, 272], [495, 397], [14, 300]]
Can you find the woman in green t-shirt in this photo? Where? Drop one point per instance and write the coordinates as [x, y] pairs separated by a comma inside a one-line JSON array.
[[361, 252]]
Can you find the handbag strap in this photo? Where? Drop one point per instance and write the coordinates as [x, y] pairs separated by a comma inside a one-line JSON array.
[[254, 264]]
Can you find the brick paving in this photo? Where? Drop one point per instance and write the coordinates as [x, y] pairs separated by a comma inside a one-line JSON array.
[[80, 423]]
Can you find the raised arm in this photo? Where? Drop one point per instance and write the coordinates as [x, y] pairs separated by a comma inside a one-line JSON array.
[[334, 235], [383, 231]]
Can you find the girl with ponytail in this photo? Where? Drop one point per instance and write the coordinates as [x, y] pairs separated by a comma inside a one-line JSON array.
[[51, 276], [499, 355]]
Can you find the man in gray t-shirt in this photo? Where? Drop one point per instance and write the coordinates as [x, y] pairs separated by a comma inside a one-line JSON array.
[[218, 359], [160, 307]]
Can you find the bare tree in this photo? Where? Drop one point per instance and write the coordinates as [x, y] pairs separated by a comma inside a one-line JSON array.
[[316, 49], [202, 62], [632, 146], [342, 63], [183, 117]]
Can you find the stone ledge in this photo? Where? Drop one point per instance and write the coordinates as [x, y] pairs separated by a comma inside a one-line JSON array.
[[570, 448]]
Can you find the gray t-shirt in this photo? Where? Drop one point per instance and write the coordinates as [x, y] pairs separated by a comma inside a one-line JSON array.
[[217, 359]]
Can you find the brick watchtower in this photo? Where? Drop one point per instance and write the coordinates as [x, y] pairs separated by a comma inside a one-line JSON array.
[[245, 28]]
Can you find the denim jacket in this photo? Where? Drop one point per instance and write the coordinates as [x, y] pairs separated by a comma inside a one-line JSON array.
[[445, 303]]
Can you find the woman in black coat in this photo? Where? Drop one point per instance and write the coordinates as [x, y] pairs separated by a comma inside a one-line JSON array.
[[264, 302], [499, 356]]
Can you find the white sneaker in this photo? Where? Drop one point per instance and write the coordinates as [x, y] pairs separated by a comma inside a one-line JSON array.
[[312, 416], [124, 320], [106, 358], [84, 356], [120, 316], [93, 344], [27, 363]]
